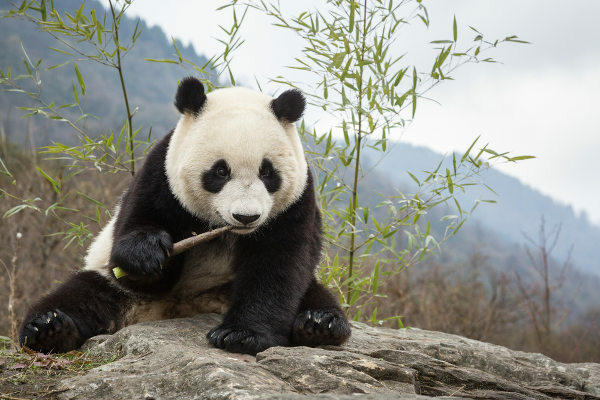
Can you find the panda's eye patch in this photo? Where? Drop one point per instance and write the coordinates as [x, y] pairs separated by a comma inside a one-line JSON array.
[[269, 175], [216, 177]]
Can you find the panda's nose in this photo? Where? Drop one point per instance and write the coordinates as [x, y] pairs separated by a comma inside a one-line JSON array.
[[246, 219]]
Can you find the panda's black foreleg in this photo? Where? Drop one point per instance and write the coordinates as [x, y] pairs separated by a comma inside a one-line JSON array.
[[87, 304], [320, 320], [262, 309]]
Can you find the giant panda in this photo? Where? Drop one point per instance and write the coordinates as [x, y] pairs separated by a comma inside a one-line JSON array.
[[234, 159]]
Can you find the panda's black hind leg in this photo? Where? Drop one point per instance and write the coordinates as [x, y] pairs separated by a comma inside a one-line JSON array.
[[320, 320], [85, 305]]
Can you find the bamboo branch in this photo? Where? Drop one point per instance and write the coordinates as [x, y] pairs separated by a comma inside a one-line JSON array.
[[192, 241], [184, 245]]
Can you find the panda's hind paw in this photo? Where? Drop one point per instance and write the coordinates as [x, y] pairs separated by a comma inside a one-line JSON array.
[[53, 331], [320, 327], [238, 340]]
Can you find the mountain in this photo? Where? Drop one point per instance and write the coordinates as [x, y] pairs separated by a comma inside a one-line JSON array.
[[151, 86], [518, 211]]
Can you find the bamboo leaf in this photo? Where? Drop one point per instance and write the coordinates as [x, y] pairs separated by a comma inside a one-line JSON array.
[[455, 29], [352, 16], [161, 60], [79, 79], [518, 158]]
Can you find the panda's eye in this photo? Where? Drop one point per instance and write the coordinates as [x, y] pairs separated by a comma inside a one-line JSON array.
[[266, 171], [222, 172], [269, 175]]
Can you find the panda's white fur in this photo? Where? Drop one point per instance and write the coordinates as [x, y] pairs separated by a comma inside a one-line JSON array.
[[98, 254], [236, 124]]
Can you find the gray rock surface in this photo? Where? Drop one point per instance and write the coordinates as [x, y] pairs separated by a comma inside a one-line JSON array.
[[172, 360]]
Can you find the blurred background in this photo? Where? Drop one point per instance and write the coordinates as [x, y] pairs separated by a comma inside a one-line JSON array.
[[522, 271]]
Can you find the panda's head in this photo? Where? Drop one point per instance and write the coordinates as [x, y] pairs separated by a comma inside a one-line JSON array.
[[235, 157]]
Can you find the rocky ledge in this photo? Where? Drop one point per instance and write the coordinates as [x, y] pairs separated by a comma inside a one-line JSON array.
[[172, 360]]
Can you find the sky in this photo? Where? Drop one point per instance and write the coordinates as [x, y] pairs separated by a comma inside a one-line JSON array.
[[543, 99]]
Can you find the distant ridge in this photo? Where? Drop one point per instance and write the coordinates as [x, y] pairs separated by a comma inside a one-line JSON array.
[[518, 211], [151, 86]]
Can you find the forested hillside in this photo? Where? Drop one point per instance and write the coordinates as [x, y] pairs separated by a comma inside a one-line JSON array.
[[150, 85], [518, 211]]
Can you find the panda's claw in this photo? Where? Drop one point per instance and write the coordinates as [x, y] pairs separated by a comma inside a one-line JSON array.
[[53, 331], [320, 327], [238, 340]]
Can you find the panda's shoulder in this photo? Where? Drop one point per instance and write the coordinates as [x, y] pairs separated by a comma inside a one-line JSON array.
[[150, 184], [155, 159]]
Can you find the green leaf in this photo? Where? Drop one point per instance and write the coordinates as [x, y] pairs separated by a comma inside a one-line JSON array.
[[518, 158], [79, 79], [455, 29], [75, 93], [376, 277], [61, 51], [450, 184], [43, 10], [55, 184], [78, 13], [351, 18], [16, 210], [5, 170], [414, 178], [177, 49], [161, 60], [338, 59], [96, 202], [464, 157], [58, 65], [119, 273]]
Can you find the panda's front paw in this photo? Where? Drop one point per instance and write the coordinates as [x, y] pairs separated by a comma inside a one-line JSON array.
[[53, 331], [239, 340], [142, 253], [320, 327]]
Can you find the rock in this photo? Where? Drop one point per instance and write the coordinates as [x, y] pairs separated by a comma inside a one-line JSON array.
[[172, 360]]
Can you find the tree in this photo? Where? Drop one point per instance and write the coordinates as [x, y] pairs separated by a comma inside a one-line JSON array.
[[362, 80], [538, 295]]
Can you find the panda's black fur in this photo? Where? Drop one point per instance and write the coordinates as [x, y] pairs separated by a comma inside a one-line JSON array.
[[273, 298]]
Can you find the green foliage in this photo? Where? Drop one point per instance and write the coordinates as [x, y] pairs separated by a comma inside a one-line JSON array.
[[78, 37], [220, 63], [371, 92]]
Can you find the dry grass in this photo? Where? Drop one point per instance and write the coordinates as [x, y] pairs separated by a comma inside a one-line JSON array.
[[25, 374]]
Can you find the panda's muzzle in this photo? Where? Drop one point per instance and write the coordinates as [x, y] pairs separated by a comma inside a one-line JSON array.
[[246, 219]]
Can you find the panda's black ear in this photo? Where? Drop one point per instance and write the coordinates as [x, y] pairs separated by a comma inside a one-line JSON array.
[[289, 106], [190, 96]]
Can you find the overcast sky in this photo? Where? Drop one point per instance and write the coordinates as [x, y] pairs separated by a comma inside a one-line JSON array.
[[543, 100]]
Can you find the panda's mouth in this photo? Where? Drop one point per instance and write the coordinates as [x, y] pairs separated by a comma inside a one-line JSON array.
[[243, 229], [238, 227]]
